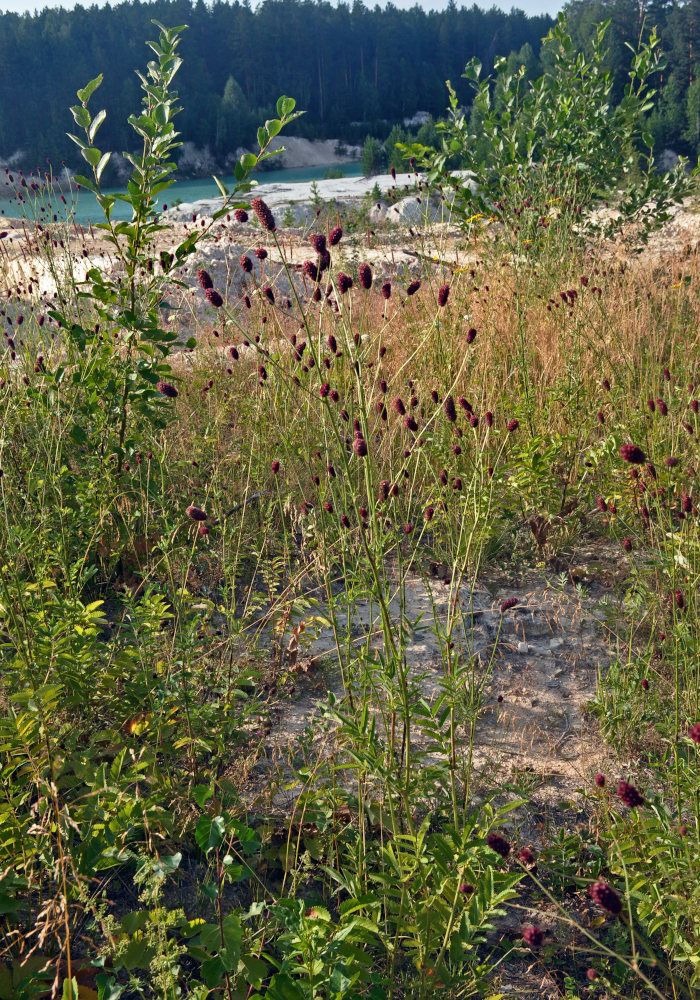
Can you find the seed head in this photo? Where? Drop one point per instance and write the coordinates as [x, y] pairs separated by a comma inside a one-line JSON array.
[[629, 795], [267, 220], [606, 897]]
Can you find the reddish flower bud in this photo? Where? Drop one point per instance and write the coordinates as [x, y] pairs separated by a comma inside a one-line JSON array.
[[364, 273]]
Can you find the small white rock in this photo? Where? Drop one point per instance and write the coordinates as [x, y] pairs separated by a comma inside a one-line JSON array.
[[522, 647], [555, 643]]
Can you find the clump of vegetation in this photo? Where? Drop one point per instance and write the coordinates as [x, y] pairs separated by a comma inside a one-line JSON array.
[[196, 532]]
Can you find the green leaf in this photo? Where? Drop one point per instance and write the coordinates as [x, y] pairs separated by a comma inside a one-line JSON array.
[[263, 137], [86, 93], [92, 155], [222, 187], [274, 126], [255, 970], [102, 164], [70, 989], [209, 832], [282, 987], [81, 115], [96, 122], [201, 792], [78, 434], [107, 987], [285, 106]]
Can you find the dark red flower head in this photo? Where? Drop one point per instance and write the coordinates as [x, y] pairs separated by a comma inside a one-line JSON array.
[[335, 236], [204, 278], [246, 263], [344, 282], [443, 295], [526, 857], [513, 425], [214, 298], [166, 389], [471, 335], [267, 219], [533, 936], [600, 780], [386, 289], [449, 408], [627, 544], [413, 288], [606, 897], [310, 270], [633, 454], [509, 603], [318, 242], [364, 273], [261, 253], [359, 446], [498, 844], [629, 795], [241, 215], [195, 513], [694, 733]]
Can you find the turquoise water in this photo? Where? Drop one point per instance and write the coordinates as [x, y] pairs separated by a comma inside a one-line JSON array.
[[86, 208]]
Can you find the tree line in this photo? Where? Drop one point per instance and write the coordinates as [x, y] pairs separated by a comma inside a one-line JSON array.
[[357, 71]]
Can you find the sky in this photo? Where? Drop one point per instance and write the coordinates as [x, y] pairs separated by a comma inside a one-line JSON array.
[[529, 6]]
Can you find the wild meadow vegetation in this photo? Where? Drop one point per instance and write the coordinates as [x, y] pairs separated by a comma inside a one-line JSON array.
[[187, 521]]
